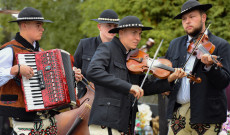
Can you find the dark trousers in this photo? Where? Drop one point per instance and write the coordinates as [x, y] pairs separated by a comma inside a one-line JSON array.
[[162, 108], [5, 128]]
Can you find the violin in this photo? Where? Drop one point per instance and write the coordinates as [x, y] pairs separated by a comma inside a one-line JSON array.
[[139, 62], [203, 46]]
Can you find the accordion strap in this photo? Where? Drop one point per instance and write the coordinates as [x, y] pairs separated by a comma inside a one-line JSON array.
[[23, 48]]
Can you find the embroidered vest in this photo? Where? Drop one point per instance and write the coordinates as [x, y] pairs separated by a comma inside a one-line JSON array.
[[11, 93]]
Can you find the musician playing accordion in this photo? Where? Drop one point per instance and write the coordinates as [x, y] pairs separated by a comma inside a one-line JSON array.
[[12, 105]]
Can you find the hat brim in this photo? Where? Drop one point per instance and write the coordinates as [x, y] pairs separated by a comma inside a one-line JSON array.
[[101, 21], [116, 30], [48, 21], [204, 7]]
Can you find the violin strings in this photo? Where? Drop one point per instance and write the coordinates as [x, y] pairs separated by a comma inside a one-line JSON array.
[[206, 52], [87, 108], [88, 86], [87, 82]]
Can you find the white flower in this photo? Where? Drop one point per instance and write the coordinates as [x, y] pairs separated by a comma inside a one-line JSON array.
[[145, 114], [223, 133]]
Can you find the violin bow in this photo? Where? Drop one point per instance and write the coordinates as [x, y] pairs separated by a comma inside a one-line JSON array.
[[155, 55]]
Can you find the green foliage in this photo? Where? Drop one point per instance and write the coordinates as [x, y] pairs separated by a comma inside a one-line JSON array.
[[72, 19], [157, 14], [64, 33]]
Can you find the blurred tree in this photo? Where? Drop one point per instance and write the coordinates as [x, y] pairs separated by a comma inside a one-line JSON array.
[[158, 14], [64, 33], [72, 19]]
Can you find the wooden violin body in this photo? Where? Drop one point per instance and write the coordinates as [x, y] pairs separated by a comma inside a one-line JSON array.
[[203, 44], [161, 68], [141, 63], [65, 120]]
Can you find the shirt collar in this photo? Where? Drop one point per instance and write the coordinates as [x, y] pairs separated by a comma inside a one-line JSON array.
[[34, 44], [117, 41], [99, 39], [26, 44]]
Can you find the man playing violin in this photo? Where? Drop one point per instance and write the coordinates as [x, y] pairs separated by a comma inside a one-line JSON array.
[[115, 88], [198, 108]]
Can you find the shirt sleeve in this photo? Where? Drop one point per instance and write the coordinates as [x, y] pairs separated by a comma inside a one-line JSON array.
[[6, 60]]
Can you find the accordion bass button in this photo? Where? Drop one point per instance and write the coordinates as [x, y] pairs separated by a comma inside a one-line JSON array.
[[42, 87], [40, 72], [47, 68]]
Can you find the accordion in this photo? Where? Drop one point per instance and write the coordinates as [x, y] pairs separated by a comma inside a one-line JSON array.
[[53, 83]]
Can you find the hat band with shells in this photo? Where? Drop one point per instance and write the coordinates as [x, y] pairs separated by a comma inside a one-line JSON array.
[[108, 19], [130, 25], [31, 18]]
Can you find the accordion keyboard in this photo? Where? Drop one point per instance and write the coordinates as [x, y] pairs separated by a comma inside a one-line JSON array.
[[31, 86]]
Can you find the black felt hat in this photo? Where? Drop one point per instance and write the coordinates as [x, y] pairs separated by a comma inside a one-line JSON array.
[[191, 5], [108, 16], [129, 22], [30, 14]]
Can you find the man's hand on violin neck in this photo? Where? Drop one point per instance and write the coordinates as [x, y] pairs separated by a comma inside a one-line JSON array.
[[136, 91], [177, 74], [207, 59]]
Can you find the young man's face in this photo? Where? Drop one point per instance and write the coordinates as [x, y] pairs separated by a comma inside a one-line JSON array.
[[34, 30], [104, 29], [193, 22], [130, 37]]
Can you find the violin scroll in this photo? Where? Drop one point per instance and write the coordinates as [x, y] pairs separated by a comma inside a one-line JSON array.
[[194, 79]]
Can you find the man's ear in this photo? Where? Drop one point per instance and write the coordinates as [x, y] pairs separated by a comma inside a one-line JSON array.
[[99, 26], [204, 17], [22, 25]]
